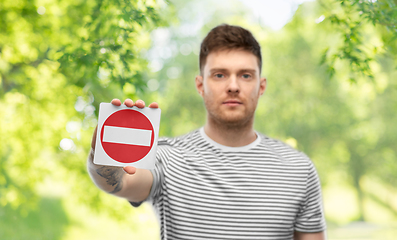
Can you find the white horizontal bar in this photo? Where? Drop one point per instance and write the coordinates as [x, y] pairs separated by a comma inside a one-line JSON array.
[[130, 136]]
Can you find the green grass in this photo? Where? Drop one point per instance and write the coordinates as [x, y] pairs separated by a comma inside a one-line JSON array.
[[48, 221]]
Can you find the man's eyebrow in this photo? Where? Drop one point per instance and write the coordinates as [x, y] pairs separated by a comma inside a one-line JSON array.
[[226, 70], [248, 70], [218, 70]]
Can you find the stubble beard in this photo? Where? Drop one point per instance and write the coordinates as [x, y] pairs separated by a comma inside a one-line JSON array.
[[229, 121]]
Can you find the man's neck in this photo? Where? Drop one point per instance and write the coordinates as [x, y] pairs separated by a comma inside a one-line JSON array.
[[237, 136]]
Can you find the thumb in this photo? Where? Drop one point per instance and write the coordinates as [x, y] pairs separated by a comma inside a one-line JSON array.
[[129, 169]]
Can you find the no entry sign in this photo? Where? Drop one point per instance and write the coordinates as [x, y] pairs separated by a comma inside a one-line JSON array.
[[127, 136]]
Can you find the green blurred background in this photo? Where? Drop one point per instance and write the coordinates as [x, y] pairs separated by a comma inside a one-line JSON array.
[[332, 93]]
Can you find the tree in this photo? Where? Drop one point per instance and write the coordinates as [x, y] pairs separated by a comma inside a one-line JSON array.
[[351, 19], [57, 61], [366, 42]]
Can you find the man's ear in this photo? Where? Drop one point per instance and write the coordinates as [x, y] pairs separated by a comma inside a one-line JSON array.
[[200, 85], [262, 86]]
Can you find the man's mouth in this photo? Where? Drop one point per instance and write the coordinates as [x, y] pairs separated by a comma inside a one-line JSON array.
[[232, 103]]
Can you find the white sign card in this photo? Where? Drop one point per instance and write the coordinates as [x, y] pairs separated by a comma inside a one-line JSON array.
[[127, 136]]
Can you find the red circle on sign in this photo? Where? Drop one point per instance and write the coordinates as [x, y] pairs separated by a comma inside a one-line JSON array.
[[127, 153]]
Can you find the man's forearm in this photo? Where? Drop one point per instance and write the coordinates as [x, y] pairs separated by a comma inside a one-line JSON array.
[[134, 187], [107, 178], [309, 236]]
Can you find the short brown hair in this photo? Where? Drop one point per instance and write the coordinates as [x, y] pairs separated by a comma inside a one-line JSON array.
[[228, 37]]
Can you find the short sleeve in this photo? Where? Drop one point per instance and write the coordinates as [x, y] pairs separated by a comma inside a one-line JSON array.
[[158, 177], [311, 215]]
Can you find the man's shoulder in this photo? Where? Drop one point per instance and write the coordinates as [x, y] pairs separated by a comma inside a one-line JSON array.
[[274, 142], [282, 148], [179, 140]]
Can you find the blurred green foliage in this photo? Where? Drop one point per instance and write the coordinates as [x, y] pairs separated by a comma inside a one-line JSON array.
[[60, 59], [49, 220], [346, 128], [351, 20], [55, 56]]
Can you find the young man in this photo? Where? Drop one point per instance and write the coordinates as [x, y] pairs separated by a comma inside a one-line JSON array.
[[224, 181]]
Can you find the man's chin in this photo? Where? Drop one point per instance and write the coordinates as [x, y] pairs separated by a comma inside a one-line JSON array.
[[233, 121]]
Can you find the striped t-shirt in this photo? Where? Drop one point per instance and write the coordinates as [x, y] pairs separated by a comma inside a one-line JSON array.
[[204, 190]]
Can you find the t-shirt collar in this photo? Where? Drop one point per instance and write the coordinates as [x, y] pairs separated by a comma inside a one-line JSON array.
[[230, 149]]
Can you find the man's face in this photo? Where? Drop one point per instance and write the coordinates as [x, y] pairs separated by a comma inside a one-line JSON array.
[[231, 86]]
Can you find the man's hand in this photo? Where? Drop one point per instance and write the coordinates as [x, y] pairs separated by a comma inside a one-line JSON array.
[[114, 179], [129, 103]]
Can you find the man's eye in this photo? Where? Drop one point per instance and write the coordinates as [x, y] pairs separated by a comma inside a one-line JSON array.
[[246, 76], [219, 75]]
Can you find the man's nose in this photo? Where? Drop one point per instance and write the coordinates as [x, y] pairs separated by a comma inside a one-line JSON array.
[[233, 85]]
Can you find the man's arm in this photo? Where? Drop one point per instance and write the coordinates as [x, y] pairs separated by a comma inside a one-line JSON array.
[[309, 236], [130, 183]]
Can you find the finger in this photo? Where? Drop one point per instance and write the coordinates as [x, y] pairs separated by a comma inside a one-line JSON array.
[[154, 105], [140, 103], [116, 102], [93, 141], [129, 169], [128, 102]]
